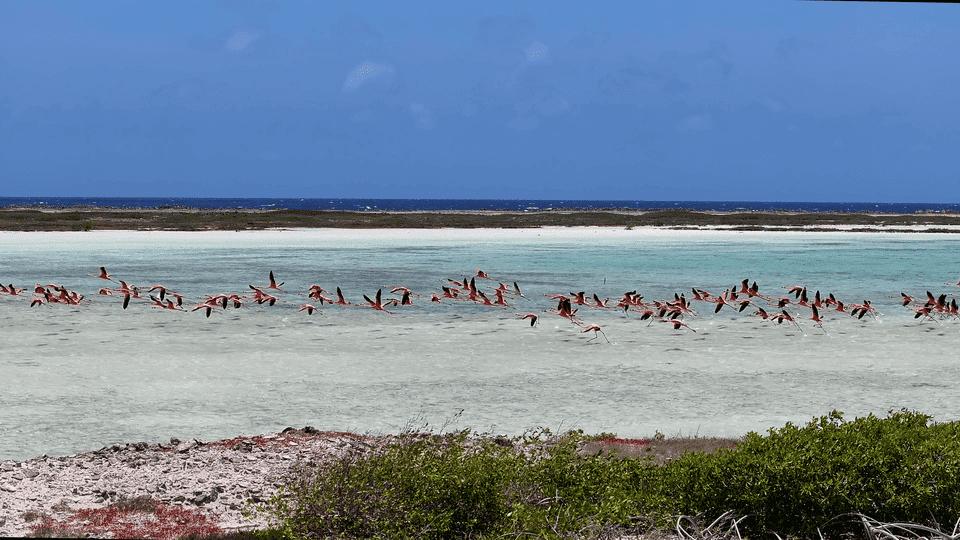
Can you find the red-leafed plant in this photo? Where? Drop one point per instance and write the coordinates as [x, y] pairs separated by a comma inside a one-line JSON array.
[[140, 517]]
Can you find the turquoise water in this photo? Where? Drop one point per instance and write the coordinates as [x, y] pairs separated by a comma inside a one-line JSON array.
[[76, 378]]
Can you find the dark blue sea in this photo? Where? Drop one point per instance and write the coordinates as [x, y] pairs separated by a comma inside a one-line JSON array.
[[470, 204]]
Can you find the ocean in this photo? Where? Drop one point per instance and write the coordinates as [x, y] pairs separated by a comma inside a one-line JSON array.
[[77, 378]]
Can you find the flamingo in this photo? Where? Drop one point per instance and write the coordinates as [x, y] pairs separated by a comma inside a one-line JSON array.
[[563, 309], [260, 297], [161, 288], [532, 316], [405, 300], [273, 284], [102, 275], [127, 293], [923, 311], [601, 303], [375, 305], [13, 291], [340, 301], [449, 292], [596, 332], [309, 308], [784, 316], [677, 324], [795, 290], [404, 290], [907, 300], [208, 306], [816, 318], [483, 299]]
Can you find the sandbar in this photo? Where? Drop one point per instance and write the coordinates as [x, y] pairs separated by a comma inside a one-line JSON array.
[[84, 218]]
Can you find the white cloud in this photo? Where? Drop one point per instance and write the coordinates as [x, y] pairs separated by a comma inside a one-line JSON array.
[[366, 71], [240, 40], [537, 52]]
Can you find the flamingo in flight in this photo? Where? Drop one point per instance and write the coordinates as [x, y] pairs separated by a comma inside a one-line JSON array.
[[677, 324], [102, 275], [596, 332], [532, 316], [273, 284], [376, 305], [340, 301]]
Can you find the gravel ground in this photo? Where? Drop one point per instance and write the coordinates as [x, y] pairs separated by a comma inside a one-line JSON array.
[[219, 477]]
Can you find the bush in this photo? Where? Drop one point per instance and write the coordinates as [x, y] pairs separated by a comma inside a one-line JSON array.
[[428, 486], [798, 480]]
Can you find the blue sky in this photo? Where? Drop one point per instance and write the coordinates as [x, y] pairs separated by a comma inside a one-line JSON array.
[[777, 100]]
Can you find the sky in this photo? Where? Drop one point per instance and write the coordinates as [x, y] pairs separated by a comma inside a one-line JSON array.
[[742, 100]]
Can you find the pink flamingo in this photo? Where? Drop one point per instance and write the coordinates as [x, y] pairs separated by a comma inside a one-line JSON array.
[[102, 275], [340, 301], [816, 318], [375, 305], [309, 308], [601, 303], [677, 324], [784, 316], [449, 292], [596, 332], [209, 306], [273, 284], [532, 316]]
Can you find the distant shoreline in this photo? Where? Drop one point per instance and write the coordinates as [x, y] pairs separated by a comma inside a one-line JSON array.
[[178, 218]]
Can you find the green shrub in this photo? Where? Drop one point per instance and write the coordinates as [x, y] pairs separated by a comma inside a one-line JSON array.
[[427, 486], [798, 480]]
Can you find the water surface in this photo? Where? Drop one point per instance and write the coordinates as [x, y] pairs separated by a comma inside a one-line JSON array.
[[76, 378]]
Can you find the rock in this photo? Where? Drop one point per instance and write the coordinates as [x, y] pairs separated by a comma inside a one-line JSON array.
[[186, 446], [310, 430], [174, 441], [7, 488], [205, 497]]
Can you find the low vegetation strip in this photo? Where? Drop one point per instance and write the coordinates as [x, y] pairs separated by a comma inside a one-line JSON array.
[[193, 219], [819, 479], [895, 477]]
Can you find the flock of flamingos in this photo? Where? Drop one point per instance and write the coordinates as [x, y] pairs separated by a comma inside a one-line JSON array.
[[739, 298]]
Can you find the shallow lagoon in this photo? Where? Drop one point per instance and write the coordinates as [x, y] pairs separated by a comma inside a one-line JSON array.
[[78, 378]]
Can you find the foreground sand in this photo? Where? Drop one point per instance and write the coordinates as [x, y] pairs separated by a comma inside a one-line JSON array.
[[219, 478]]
